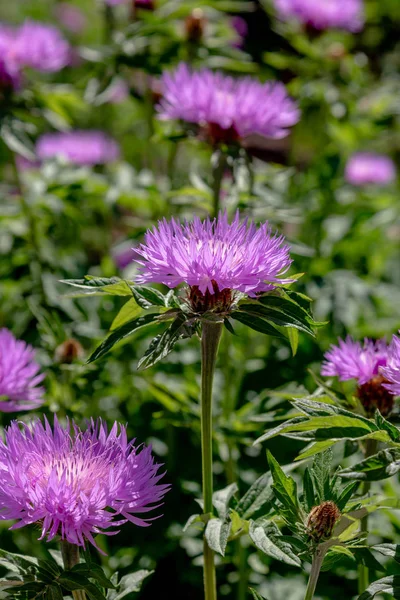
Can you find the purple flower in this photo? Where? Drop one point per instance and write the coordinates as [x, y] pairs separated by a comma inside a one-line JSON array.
[[366, 168], [391, 371], [214, 256], [9, 68], [124, 255], [353, 360], [41, 46], [118, 91], [19, 375], [326, 14], [240, 26], [70, 16], [79, 147], [76, 483], [227, 109]]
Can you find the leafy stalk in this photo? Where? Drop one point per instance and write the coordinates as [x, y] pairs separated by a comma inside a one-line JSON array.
[[70, 556], [363, 575], [211, 334], [318, 559]]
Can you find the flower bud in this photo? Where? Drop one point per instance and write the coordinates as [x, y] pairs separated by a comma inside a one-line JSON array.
[[69, 351], [321, 520]]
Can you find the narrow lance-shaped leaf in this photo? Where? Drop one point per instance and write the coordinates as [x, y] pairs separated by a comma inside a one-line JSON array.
[[285, 489]]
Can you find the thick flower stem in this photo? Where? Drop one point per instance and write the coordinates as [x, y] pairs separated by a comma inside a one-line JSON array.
[[318, 559], [218, 166], [210, 337], [70, 556], [363, 574]]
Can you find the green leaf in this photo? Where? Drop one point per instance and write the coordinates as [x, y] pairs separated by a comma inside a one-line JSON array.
[[197, 518], [217, 533], [309, 492], [54, 592], [391, 550], [121, 333], [129, 584], [259, 495], [346, 494], [374, 468], [285, 489], [148, 297], [293, 336], [388, 585], [335, 555], [256, 595], [14, 134], [277, 317], [94, 571], [266, 537], [392, 430], [320, 473], [99, 286], [128, 312], [315, 448], [256, 323], [163, 344], [222, 498]]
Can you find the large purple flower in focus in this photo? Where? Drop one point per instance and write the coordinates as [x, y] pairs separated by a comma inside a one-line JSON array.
[[365, 363], [226, 109], [41, 46], [392, 370], [324, 14], [214, 257], [364, 168], [81, 147], [76, 483], [19, 375]]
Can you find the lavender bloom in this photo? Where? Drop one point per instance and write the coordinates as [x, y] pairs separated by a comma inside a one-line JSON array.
[[41, 47], [327, 14], [227, 109], [9, 68], [214, 257], [76, 483], [70, 16], [352, 360], [392, 370], [79, 147], [365, 168], [240, 26], [118, 91], [19, 375]]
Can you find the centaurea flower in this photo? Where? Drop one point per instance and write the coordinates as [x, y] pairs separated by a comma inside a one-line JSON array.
[[76, 483], [80, 147], [225, 109], [327, 14], [19, 375], [392, 369], [366, 168]]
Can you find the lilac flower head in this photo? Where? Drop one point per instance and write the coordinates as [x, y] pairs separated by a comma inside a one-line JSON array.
[[19, 375], [9, 68], [366, 363], [79, 147], [41, 46], [391, 371], [214, 256], [364, 168], [327, 14], [76, 483], [353, 360], [227, 109], [70, 16]]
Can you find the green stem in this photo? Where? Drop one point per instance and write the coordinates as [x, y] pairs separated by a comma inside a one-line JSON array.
[[70, 556], [218, 166], [370, 449], [210, 337], [109, 23], [318, 559]]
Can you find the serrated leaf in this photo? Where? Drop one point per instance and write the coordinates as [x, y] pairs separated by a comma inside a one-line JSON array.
[[266, 537], [259, 495], [163, 344], [128, 312], [387, 585], [380, 466], [129, 584], [285, 489], [257, 324], [315, 448], [222, 498], [121, 333], [217, 533], [99, 286]]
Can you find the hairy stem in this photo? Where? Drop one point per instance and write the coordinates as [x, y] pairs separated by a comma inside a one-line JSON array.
[[70, 556], [318, 559], [211, 334], [370, 448]]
